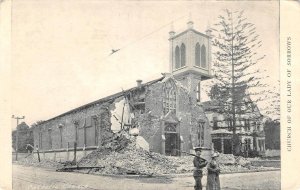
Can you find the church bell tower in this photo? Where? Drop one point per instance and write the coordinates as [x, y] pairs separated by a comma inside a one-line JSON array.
[[190, 58]]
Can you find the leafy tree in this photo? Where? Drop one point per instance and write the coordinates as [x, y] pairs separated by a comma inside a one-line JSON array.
[[235, 58], [25, 137]]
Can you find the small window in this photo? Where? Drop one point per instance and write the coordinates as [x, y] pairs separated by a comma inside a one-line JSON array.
[[215, 123], [247, 124]]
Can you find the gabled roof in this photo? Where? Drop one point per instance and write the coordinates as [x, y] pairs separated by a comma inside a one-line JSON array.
[[190, 29], [105, 99]]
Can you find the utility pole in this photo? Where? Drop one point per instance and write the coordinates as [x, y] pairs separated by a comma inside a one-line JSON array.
[[17, 136]]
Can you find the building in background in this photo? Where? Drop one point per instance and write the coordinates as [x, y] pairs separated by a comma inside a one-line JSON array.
[[249, 127]]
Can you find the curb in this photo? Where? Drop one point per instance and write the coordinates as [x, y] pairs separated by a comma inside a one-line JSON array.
[[176, 175], [158, 176]]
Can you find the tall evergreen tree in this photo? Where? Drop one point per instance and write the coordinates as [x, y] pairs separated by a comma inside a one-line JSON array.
[[272, 105], [235, 58]]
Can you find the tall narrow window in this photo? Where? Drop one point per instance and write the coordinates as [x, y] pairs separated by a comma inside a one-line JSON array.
[[201, 132], [182, 55], [197, 55], [169, 100], [177, 57], [96, 125], [247, 124], [41, 140], [198, 92], [203, 56], [60, 135], [50, 137], [76, 125], [215, 123]]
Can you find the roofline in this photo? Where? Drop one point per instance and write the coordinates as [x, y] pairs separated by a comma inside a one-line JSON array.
[[105, 99], [190, 29]]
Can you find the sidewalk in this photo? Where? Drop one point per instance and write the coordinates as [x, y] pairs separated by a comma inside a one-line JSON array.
[[38, 178]]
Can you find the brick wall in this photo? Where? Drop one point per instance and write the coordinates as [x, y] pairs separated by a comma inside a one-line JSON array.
[[187, 111], [62, 130], [64, 127]]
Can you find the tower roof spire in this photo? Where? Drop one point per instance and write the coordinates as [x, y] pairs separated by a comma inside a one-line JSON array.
[[172, 33], [190, 22]]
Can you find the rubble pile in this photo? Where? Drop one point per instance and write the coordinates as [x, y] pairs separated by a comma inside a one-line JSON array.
[[121, 156], [242, 161], [226, 159]]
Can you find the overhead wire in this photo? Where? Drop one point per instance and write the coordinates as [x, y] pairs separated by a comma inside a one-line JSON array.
[[145, 36], [149, 34]]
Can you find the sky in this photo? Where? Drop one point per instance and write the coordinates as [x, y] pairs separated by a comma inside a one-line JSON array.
[[60, 49]]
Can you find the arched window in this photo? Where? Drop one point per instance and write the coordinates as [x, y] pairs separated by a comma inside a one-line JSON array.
[[169, 99], [177, 58], [182, 55], [170, 127], [197, 55], [203, 56]]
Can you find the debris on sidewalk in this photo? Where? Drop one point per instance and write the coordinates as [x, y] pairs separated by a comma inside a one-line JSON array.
[[32, 161], [120, 155]]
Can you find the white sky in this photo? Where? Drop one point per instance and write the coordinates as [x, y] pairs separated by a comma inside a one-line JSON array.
[[60, 48]]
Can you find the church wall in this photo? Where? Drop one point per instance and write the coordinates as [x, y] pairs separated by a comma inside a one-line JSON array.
[[151, 123], [67, 129]]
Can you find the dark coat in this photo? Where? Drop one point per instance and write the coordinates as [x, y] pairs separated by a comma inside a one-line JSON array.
[[199, 165], [213, 181]]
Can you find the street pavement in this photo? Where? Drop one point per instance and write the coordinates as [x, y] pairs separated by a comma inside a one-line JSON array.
[[31, 178]]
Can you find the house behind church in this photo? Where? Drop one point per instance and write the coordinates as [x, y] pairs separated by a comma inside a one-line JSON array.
[[166, 110], [249, 127]]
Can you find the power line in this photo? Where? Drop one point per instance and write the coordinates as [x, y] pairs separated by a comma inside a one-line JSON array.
[[145, 36], [149, 34]]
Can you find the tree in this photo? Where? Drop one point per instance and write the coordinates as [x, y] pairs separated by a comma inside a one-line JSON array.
[[235, 58], [272, 105], [25, 137]]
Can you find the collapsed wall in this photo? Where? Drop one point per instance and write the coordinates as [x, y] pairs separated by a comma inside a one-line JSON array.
[[120, 155]]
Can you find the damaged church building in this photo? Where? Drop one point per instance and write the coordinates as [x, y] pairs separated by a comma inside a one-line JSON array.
[[165, 112]]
